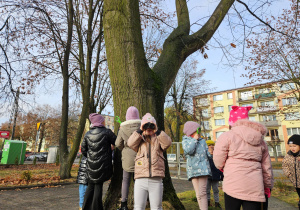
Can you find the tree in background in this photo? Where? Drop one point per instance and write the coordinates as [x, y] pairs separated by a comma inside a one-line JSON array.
[[188, 83]]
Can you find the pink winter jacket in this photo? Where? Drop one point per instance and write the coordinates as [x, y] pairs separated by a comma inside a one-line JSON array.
[[243, 155]]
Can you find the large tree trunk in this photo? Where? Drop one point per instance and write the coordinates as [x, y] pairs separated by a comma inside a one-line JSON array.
[[134, 83]]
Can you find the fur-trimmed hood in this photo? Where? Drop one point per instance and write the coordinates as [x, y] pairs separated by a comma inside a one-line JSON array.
[[249, 131]]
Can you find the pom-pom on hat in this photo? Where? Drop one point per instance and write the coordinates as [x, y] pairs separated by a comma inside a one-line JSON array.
[[148, 118], [190, 127], [132, 113], [210, 142], [294, 139], [96, 120], [237, 113]]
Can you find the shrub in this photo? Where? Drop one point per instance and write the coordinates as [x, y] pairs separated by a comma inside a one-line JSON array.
[[281, 185], [26, 175], [17, 161], [57, 160], [34, 161]]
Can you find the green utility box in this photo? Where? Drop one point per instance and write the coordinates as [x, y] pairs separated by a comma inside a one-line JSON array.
[[13, 150]]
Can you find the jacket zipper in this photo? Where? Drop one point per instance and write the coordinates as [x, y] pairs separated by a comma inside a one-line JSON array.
[[150, 175], [296, 170]]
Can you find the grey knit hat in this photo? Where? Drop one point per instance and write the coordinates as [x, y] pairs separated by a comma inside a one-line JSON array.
[[190, 127]]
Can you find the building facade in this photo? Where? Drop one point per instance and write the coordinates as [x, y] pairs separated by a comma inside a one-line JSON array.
[[273, 104], [109, 122]]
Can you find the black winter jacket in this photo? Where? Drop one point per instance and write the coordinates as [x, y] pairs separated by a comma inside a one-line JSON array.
[[82, 177], [96, 146], [217, 175]]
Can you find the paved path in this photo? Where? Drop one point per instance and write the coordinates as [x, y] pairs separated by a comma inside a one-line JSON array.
[[66, 198]]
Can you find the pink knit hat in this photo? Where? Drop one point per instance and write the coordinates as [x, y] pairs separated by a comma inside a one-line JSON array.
[[237, 113], [96, 120], [132, 113], [148, 118], [190, 127]]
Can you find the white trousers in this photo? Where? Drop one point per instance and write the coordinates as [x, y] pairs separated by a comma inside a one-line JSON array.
[[148, 186]]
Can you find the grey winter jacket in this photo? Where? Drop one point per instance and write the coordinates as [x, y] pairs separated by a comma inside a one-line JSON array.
[[128, 155]]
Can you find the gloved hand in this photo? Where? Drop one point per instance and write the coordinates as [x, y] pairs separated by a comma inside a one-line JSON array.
[[268, 192], [139, 131], [157, 132]]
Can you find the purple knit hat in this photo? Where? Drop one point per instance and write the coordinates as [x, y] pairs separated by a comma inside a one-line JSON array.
[[96, 120], [190, 127], [132, 113]]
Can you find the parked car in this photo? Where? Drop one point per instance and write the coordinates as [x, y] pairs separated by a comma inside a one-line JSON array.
[[44, 154], [39, 157], [171, 157], [27, 154]]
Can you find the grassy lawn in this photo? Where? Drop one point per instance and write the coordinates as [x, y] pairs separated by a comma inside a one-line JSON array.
[[40, 174], [277, 165]]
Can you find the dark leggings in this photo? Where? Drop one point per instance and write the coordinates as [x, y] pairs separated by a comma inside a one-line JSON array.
[[125, 184], [235, 204], [93, 197]]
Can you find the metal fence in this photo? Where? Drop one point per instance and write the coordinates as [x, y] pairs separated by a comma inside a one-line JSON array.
[[177, 161]]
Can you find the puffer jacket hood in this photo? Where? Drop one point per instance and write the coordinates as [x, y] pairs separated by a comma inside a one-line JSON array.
[[128, 155], [251, 132], [96, 146]]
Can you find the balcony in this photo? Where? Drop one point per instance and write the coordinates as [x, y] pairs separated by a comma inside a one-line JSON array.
[[262, 109], [249, 98], [206, 116], [275, 139], [273, 123], [264, 95]]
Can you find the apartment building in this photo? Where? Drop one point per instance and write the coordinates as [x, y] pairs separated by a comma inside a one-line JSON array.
[[273, 104], [109, 122]]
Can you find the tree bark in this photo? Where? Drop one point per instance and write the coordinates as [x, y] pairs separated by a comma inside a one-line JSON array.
[[65, 163]]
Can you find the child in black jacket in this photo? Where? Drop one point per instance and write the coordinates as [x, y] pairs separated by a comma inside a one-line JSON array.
[[213, 181]]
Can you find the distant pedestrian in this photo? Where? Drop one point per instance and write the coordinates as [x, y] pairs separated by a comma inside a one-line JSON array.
[[198, 169], [149, 143], [214, 179], [97, 146], [82, 181], [131, 124], [243, 155], [291, 162]]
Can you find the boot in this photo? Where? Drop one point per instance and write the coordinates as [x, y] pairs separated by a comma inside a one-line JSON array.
[[123, 206], [217, 205]]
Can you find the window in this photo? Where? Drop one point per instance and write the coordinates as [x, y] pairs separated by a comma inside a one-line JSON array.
[[218, 97], [205, 125], [244, 105], [218, 134], [107, 126], [267, 103], [292, 116], [229, 107], [246, 94], [289, 101], [219, 109], [220, 122], [252, 118], [292, 131], [264, 90], [269, 118], [229, 95], [204, 113], [278, 150], [287, 86]]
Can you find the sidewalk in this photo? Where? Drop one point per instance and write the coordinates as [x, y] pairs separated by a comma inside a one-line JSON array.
[[66, 197]]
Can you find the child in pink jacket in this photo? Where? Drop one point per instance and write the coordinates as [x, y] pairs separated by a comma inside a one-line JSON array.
[[243, 155]]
